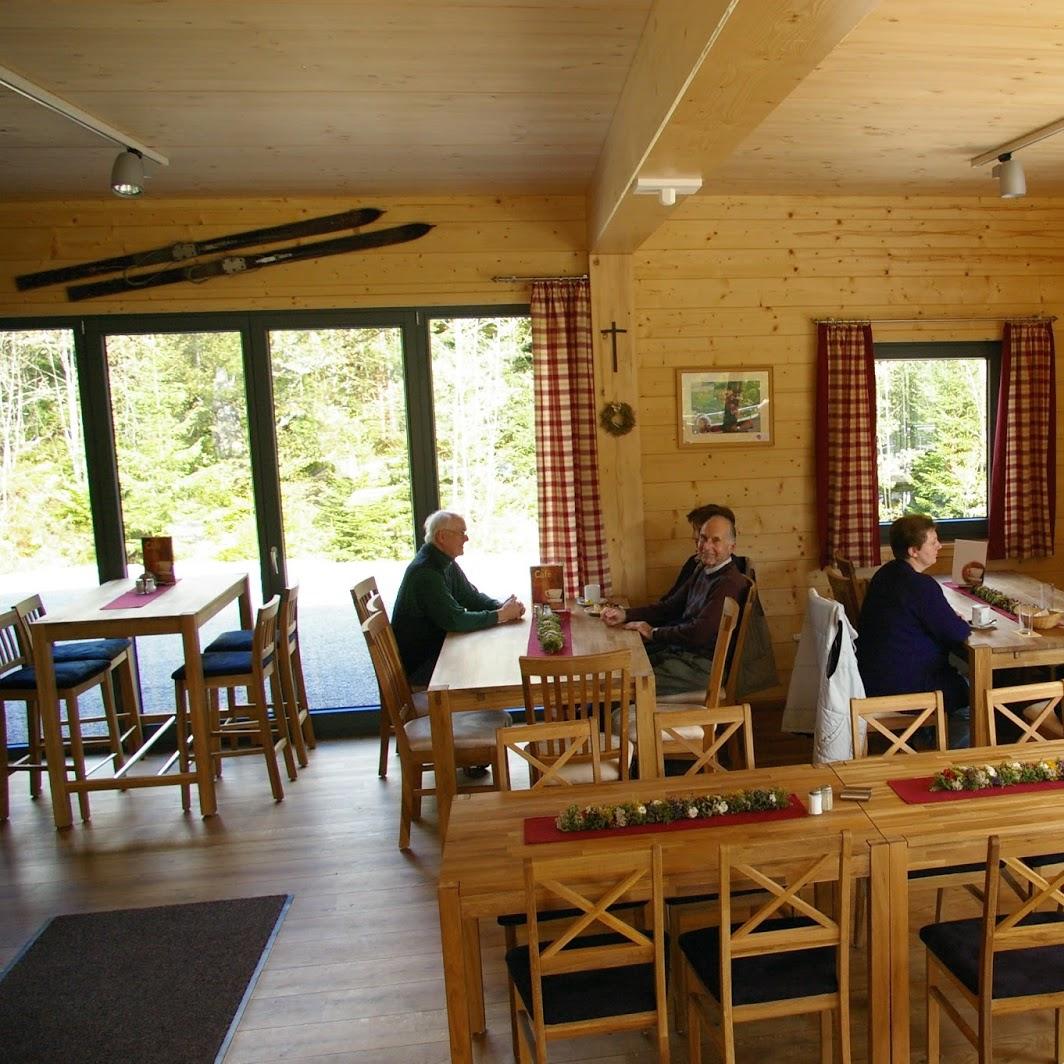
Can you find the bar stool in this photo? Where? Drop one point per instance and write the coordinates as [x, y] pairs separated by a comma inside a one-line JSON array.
[[293, 685], [228, 670], [18, 683]]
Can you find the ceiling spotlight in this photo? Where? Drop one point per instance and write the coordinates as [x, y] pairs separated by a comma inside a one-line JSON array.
[[127, 174], [667, 188], [1009, 173]]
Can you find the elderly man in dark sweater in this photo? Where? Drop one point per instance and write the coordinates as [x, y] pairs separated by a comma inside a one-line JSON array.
[[680, 631], [436, 598]]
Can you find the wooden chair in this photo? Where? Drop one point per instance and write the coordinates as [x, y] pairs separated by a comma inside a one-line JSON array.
[[267, 733], [552, 753], [734, 621], [849, 572], [474, 732], [18, 683], [585, 687], [293, 685], [897, 718], [699, 735], [1031, 708], [592, 973], [843, 590], [118, 653], [1010, 959], [367, 599], [734, 971]]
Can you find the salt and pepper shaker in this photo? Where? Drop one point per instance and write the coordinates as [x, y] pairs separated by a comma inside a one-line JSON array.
[[815, 803], [827, 798]]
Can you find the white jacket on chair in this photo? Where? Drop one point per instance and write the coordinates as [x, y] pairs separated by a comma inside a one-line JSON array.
[[824, 679]]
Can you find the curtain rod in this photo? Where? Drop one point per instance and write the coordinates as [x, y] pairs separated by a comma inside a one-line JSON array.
[[928, 321], [515, 278]]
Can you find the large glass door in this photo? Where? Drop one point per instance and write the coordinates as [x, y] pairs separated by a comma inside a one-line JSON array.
[[179, 414], [347, 505]]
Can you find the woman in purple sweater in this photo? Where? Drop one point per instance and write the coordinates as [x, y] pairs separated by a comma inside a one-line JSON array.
[[908, 629]]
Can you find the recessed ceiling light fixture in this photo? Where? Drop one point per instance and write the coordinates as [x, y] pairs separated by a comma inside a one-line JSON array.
[[127, 174], [1009, 171], [667, 188]]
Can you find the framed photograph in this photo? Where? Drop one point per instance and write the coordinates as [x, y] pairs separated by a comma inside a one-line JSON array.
[[724, 406]]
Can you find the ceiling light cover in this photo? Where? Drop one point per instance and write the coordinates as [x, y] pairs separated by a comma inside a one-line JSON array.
[[1009, 173], [127, 174]]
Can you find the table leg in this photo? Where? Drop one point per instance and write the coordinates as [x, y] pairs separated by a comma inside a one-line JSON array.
[[474, 975], [442, 754], [898, 894], [454, 973], [980, 680], [48, 708], [198, 717], [879, 956], [645, 699]]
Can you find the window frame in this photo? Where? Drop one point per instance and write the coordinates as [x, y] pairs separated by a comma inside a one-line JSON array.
[[950, 529]]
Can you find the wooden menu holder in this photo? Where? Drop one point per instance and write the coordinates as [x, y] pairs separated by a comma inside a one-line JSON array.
[[158, 552], [545, 578]]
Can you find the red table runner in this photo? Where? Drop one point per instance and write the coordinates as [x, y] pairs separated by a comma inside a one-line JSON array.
[[975, 598], [536, 651], [133, 600], [543, 828], [918, 791]]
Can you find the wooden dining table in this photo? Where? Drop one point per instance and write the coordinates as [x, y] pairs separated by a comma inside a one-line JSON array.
[[480, 670], [939, 834], [181, 609], [481, 875], [1003, 646]]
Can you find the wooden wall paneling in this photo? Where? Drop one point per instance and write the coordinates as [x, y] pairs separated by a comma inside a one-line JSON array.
[[727, 281], [620, 470]]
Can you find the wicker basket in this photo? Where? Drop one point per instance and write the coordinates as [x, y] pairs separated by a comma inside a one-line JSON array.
[[1049, 619]]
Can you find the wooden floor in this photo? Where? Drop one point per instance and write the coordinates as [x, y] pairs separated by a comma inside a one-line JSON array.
[[355, 973]]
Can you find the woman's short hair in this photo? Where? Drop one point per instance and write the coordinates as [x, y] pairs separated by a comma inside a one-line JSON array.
[[701, 514], [909, 531]]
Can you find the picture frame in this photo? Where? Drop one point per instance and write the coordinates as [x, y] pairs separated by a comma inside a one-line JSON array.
[[724, 406]]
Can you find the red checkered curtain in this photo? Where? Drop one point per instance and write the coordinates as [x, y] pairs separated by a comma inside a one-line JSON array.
[[570, 511], [847, 480], [1024, 477]]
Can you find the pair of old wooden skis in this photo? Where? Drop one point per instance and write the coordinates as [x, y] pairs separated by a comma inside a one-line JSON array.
[[229, 264]]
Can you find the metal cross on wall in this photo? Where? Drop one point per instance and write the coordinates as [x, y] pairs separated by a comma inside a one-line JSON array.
[[613, 332]]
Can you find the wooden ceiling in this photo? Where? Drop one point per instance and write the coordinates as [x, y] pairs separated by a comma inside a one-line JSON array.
[[419, 97]]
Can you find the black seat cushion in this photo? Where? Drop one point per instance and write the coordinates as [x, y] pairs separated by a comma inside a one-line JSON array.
[[1017, 973], [67, 674], [228, 663], [520, 919], [573, 996], [90, 650], [948, 870], [768, 977], [240, 639]]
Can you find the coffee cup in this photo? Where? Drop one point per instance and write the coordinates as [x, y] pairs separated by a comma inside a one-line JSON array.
[[981, 615], [592, 593]]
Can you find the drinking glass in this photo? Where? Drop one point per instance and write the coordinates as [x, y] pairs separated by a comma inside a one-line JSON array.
[[1024, 612]]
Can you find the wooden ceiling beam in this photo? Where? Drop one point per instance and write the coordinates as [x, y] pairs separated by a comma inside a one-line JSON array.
[[706, 74]]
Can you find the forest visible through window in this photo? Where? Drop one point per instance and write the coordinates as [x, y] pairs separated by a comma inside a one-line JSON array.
[[931, 429]]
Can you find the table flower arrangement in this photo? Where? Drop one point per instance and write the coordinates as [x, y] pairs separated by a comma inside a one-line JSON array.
[[549, 632], [997, 599], [979, 777], [666, 810]]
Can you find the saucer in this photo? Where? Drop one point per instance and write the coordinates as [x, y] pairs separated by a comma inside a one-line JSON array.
[[984, 627]]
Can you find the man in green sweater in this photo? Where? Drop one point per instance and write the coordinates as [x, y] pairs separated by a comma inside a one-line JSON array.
[[436, 598]]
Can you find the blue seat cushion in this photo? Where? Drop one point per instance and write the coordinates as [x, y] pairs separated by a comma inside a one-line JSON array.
[[240, 639], [1017, 972], [67, 674], [90, 650], [598, 992], [765, 977], [227, 663]]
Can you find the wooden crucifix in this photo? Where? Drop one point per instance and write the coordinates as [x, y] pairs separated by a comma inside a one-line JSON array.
[[613, 332]]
